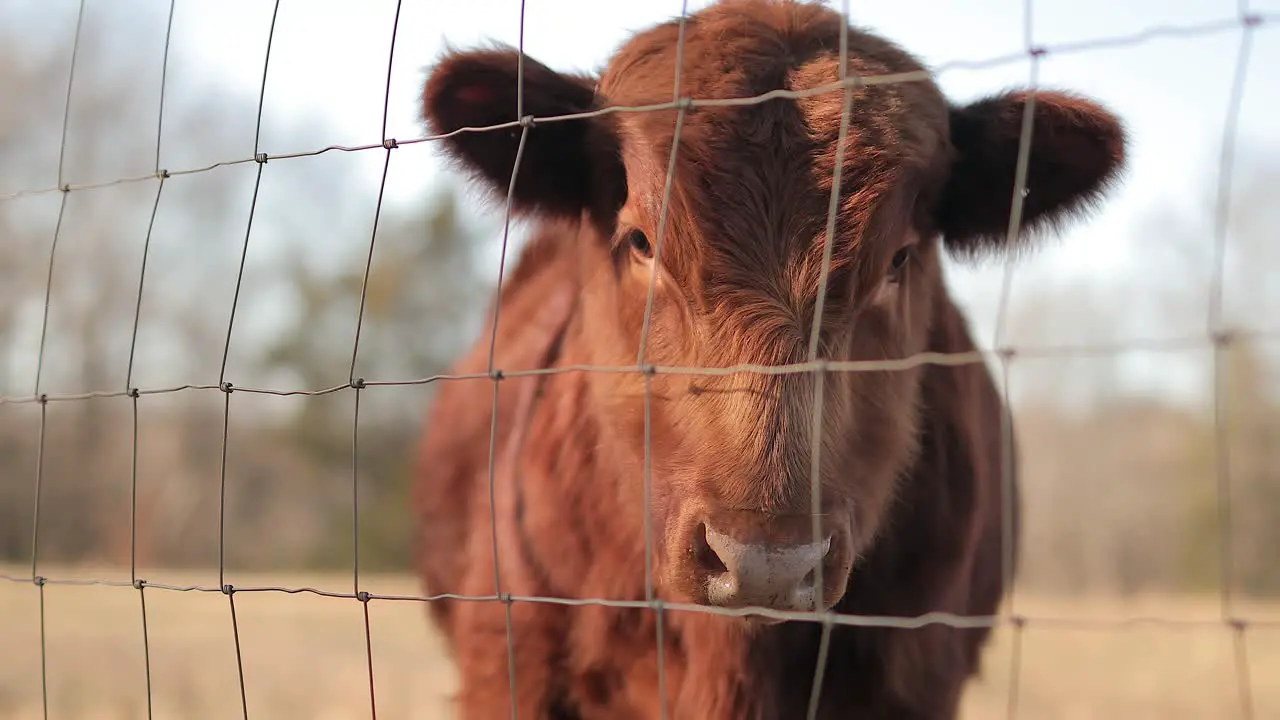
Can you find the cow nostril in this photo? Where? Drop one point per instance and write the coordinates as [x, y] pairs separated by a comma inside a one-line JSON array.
[[811, 578], [704, 555]]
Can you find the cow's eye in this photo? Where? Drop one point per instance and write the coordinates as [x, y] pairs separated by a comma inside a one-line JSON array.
[[640, 244], [900, 258]]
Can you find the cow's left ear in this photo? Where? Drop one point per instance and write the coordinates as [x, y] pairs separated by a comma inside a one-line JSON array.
[[1077, 152]]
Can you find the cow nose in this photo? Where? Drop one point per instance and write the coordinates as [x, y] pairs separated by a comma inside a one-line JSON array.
[[779, 577]]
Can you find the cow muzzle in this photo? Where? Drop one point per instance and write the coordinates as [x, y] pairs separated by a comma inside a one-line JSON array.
[[751, 559]]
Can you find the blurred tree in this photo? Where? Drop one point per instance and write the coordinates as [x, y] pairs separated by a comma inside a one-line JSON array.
[[1251, 421], [272, 501], [1140, 469], [1250, 406], [424, 300]]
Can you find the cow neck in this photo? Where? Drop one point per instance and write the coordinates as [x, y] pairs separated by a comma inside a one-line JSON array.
[[562, 305]]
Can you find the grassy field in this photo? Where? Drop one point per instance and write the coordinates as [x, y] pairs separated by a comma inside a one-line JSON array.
[[304, 655]]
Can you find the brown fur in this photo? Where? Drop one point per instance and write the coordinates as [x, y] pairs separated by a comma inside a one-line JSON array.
[[911, 460]]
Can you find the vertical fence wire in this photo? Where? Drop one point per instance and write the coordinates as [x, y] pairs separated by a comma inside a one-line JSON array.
[[363, 597], [133, 407], [44, 653], [235, 635], [226, 387], [146, 645], [497, 377], [820, 374], [651, 599], [1222, 344], [525, 124], [1008, 506], [40, 361], [357, 383]]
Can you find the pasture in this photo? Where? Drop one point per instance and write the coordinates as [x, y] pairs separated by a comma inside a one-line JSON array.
[[304, 655]]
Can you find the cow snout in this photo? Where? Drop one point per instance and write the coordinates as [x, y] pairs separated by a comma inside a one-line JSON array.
[[780, 577], [758, 560]]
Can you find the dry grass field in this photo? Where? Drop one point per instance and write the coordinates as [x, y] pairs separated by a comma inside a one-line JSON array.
[[304, 655]]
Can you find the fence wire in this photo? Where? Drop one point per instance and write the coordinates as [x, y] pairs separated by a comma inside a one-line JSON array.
[[1218, 337]]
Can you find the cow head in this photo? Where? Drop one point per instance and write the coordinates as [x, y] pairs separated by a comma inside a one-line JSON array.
[[737, 276]]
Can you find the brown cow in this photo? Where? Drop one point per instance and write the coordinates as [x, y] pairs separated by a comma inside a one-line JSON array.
[[911, 461]]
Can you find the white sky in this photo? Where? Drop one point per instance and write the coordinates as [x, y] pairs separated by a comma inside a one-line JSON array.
[[329, 60]]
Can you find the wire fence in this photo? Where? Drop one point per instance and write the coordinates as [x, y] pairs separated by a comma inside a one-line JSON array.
[[1217, 336]]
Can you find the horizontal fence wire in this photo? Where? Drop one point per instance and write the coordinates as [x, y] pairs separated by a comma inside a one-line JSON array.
[[1177, 344], [889, 621], [1218, 338]]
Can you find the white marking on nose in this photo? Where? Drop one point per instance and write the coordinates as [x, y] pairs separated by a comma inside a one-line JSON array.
[[776, 577]]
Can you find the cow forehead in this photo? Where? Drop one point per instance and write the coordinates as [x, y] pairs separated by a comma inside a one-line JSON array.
[[736, 173], [752, 184], [743, 48], [783, 149], [777, 150]]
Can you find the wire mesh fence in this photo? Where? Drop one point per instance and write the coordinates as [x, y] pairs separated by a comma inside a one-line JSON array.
[[1217, 336]]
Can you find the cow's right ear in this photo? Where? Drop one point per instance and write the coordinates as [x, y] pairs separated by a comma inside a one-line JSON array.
[[567, 166]]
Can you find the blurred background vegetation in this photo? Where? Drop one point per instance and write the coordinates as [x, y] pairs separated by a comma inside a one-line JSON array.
[[289, 473], [1121, 483]]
